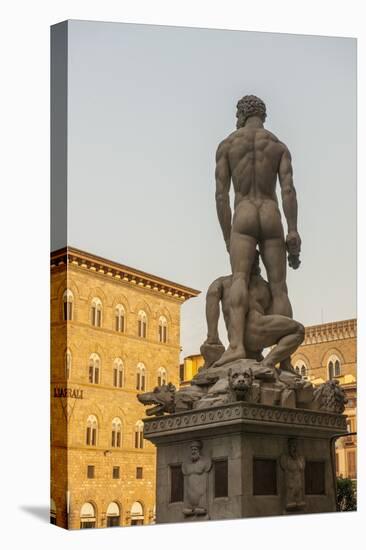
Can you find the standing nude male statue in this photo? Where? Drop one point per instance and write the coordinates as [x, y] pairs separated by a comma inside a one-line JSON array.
[[252, 158]]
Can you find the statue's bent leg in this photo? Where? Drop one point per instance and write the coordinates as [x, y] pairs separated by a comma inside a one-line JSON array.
[[279, 331], [286, 333], [242, 255]]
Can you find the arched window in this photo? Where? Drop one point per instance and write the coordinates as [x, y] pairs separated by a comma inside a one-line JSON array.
[[162, 376], [68, 363], [141, 377], [113, 515], [118, 373], [96, 312], [120, 318], [94, 368], [137, 514], [53, 512], [91, 430], [87, 516], [300, 368], [337, 368], [139, 435], [142, 324], [68, 300], [163, 324], [116, 432], [334, 367]]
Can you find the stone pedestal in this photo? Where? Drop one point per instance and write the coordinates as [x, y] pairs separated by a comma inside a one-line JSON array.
[[241, 456]]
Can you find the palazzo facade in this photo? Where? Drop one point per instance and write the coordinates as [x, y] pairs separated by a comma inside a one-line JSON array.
[[115, 331]]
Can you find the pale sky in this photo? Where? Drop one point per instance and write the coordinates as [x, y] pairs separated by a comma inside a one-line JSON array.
[[148, 106]]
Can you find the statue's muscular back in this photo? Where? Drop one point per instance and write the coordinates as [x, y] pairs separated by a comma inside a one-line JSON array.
[[254, 155]]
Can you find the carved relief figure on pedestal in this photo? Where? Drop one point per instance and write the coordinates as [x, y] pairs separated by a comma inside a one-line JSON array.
[[293, 466], [195, 472], [252, 158]]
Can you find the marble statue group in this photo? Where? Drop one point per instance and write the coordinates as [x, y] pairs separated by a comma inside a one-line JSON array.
[[256, 310]]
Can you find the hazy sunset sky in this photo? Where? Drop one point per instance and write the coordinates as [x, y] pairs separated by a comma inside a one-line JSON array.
[[148, 106]]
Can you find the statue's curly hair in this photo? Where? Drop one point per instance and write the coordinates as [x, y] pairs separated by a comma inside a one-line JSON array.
[[251, 105]]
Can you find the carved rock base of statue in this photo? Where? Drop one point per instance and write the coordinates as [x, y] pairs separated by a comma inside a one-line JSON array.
[[244, 458]]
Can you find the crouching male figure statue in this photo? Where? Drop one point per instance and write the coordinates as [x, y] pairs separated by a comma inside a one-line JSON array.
[[262, 328]]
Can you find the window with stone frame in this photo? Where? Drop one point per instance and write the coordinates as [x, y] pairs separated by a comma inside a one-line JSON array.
[[96, 312], [68, 304], [94, 369], [334, 367], [118, 373], [300, 368], [139, 435], [91, 430], [163, 330], [141, 377], [351, 464], [162, 376], [116, 432], [113, 515], [142, 324], [87, 516], [119, 318], [116, 472]]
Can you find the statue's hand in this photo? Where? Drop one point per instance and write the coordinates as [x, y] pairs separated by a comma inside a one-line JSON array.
[[294, 261], [293, 243]]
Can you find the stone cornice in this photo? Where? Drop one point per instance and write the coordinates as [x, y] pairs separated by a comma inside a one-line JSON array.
[[119, 272], [330, 332], [242, 412]]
